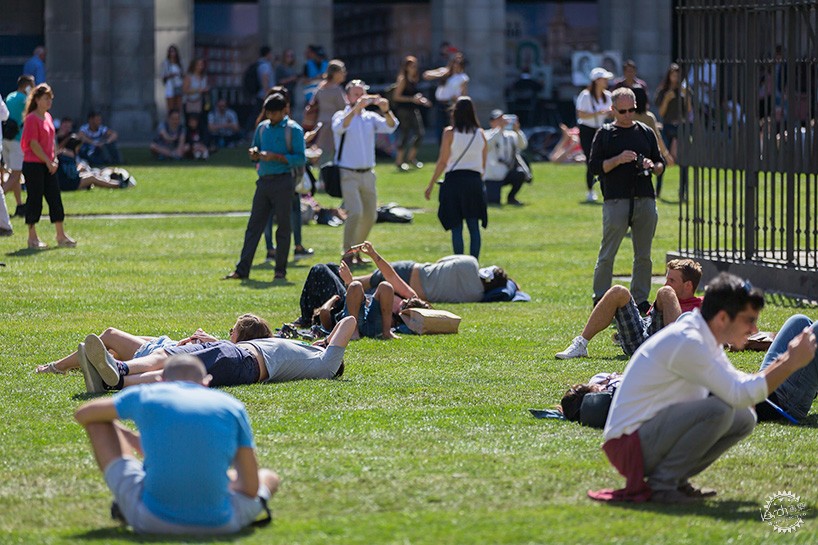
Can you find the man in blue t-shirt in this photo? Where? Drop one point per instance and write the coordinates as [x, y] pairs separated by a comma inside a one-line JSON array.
[[189, 436]]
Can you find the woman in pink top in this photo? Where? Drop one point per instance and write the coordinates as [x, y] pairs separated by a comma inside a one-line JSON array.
[[40, 167]]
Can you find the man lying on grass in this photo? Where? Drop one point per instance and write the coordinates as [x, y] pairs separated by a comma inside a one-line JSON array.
[[664, 425], [127, 346], [672, 299], [257, 360], [191, 435]]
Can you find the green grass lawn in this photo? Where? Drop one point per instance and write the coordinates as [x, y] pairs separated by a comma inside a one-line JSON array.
[[425, 440]]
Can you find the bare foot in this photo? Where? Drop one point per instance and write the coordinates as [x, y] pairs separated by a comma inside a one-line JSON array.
[[346, 274], [390, 336]]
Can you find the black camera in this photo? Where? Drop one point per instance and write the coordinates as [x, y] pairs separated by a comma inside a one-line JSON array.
[[640, 168]]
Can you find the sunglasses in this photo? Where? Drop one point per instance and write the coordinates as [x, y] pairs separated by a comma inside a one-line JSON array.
[[626, 111]]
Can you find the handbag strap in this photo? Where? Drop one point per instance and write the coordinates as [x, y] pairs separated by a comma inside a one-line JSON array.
[[340, 148], [465, 150]]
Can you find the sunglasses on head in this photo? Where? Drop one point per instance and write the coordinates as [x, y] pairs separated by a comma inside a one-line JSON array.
[[626, 111]]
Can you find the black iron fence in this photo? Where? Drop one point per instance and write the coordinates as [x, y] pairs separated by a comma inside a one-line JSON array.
[[749, 151]]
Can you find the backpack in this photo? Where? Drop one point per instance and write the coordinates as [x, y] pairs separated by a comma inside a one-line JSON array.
[[249, 81], [10, 129]]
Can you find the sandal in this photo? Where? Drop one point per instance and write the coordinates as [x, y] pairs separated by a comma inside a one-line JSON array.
[[49, 368]]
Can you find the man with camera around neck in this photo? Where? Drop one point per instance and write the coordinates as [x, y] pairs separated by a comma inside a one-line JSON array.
[[624, 154]]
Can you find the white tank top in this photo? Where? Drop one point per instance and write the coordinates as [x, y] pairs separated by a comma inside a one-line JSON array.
[[473, 157]]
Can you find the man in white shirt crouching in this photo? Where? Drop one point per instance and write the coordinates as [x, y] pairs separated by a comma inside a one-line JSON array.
[[664, 425]]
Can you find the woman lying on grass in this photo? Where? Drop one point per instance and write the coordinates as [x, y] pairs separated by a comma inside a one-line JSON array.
[[126, 346], [265, 359]]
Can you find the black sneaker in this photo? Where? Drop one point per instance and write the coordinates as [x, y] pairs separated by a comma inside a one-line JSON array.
[[302, 253], [20, 211], [116, 513]]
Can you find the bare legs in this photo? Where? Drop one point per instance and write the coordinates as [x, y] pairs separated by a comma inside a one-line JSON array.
[[121, 344], [603, 313]]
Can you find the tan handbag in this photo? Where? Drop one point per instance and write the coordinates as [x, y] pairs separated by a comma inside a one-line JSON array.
[[425, 321]]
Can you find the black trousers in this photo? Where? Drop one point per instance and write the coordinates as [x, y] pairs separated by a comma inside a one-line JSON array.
[[40, 183], [273, 193]]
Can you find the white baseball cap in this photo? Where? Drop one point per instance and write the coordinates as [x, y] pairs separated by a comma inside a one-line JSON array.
[[600, 72]]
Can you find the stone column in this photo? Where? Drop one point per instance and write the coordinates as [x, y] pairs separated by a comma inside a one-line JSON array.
[[173, 25], [65, 60], [122, 65], [476, 27], [284, 23], [642, 31]]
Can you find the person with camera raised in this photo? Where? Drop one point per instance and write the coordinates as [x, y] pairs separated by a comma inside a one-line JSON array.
[[624, 154], [355, 128], [504, 141]]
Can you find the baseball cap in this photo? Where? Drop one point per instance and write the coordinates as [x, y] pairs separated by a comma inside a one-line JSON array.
[[600, 72], [496, 113]]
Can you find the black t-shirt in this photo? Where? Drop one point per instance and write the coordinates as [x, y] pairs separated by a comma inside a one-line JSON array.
[[624, 181]]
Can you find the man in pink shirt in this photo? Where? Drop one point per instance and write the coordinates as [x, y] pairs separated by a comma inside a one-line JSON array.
[[672, 299]]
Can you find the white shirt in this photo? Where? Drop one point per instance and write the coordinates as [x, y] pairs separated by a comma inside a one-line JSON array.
[[682, 362], [452, 88], [468, 147], [601, 110], [359, 144], [502, 146]]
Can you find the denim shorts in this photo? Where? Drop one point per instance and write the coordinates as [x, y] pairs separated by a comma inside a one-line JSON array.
[[370, 318], [153, 345], [125, 478]]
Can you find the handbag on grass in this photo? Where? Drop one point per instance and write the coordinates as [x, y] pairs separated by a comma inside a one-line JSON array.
[[331, 173], [429, 321]]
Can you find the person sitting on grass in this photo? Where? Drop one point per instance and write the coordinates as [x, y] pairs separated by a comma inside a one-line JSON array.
[[180, 421], [681, 404], [672, 299], [378, 313], [170, 138], [266, 359], [127, 346]]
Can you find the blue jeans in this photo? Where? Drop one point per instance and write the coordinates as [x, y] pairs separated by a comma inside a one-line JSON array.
[[473, 225], [795, 395]]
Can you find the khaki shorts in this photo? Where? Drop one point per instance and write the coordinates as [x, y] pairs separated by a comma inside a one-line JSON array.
[[125, 477], [13, 154]]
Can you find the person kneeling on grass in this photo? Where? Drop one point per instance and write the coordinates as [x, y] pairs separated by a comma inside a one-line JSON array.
[[672, 299], [126, 346], [192, 436], [247, 362], [682, 404]]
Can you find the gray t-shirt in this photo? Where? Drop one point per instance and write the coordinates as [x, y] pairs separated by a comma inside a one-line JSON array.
[[294, 360], [451, 279]]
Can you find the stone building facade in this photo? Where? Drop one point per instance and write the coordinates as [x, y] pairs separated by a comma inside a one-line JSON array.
[[106, 54]]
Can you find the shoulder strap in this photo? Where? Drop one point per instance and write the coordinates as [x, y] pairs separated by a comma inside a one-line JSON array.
[[288, 137], [465, 150], [340, 148]]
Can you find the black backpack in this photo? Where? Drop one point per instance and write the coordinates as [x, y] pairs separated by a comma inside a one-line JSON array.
[[249, 81], [10, 129]]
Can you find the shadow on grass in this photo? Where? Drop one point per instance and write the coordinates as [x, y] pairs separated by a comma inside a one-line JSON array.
[[105, 535], [585, 202], [727, 510], [262, 285], [23, 252]]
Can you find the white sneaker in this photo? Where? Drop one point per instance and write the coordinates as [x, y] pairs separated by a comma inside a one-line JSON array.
[[577, 349], [591, 197]]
